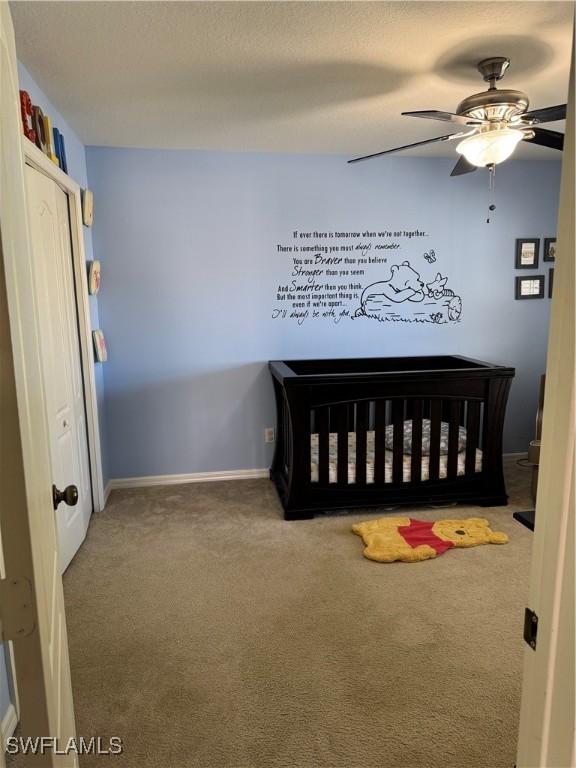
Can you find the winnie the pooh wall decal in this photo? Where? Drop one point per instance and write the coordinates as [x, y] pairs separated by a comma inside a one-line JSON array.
[[405, 297], [338, 276]]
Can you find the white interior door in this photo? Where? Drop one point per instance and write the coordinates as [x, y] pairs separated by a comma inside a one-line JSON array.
[[48, 220], [547, 736], [29, 540]]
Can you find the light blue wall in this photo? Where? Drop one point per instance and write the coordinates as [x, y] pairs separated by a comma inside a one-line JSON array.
[[188, 243], [76, 159]]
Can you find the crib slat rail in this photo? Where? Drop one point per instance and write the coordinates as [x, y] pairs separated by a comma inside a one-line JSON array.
[[362, 414], [416, 457], [397, 440], [286, 429], [435, 425], [323, 428], [279, 460], [494, 410], [379, 441], [342, 427], [472, 435], [453, 438]]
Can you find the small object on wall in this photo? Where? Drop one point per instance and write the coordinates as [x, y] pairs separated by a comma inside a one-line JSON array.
[[50, 150], [87, 207], [39, 129], [100, 351], [26, 114], [549, 249], [530, 287], [94, 270], [550, 282], [527, 253]]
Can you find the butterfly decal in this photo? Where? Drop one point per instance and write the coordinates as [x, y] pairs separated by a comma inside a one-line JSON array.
[[430, 256]]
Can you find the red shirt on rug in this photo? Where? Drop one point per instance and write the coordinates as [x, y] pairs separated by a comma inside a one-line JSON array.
[[420, 532]]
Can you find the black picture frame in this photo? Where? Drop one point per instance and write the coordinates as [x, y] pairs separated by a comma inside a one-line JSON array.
[[529, 278], [520, 248], [550, 282], [549, 245]]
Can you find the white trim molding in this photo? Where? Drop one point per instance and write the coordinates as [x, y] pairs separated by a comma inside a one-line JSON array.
[[515, 456], [210, 477], [107, 492], [194, 477], [8, 724], [41, 162]]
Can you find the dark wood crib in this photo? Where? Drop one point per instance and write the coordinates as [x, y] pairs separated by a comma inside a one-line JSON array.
[[380, 432]]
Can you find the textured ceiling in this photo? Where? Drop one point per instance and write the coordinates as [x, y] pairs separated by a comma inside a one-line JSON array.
[[327, 77]]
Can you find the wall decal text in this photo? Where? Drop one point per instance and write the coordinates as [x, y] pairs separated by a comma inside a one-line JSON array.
[[343, 275]]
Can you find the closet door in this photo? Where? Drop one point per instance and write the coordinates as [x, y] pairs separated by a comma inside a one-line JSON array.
[[29, 539], [52, 253]]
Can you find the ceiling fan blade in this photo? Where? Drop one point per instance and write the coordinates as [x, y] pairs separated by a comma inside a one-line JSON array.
[[450, 117], [546, 138], [409, 146], [462, 167], [547, 115]]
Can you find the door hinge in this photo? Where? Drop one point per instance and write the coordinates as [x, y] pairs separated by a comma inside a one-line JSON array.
[[16, 609], [530, 628]]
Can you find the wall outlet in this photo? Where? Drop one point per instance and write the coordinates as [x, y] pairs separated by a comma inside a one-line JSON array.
[[269, 435]]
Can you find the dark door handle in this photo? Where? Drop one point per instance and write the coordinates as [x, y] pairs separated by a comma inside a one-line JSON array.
[[68, 495]]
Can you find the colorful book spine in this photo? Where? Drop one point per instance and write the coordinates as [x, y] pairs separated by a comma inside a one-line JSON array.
[[50, 140], [26, 114], [38, 127], [57, 149], [63, 161]]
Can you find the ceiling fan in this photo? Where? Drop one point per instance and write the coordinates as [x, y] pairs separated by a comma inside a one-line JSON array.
[[497, 119]]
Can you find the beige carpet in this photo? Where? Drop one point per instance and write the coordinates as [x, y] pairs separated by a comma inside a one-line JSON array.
[[207, 632]]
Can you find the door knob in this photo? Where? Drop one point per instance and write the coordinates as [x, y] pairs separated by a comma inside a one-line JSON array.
[[68, 495]]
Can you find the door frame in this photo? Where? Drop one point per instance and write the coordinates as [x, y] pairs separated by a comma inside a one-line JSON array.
[[42, 163], [27, 523], [547, 736]]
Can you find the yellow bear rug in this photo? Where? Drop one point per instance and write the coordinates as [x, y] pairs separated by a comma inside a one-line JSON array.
[[403, 538]]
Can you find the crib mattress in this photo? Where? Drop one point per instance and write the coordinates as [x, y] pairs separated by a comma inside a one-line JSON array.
[[407, 460]]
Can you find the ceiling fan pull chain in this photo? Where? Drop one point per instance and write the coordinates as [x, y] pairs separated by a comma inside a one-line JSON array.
[[491, 190]]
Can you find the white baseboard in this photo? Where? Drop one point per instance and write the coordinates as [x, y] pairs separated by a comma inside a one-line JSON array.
[[195, 477], [516, 456], [107, 492], [8, 725], [210, 477]]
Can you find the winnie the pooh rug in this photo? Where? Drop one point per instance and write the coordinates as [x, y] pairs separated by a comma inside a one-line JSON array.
[[403, 538]]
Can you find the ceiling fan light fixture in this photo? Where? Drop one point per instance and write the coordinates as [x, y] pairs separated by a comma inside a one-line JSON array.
[[490, 147]]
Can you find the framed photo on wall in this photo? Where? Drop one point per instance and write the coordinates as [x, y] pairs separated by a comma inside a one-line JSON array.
[[100, 351], [550, 282], [549, 253], [527, 252], [87, 207], [531, 287], [94, 271]]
